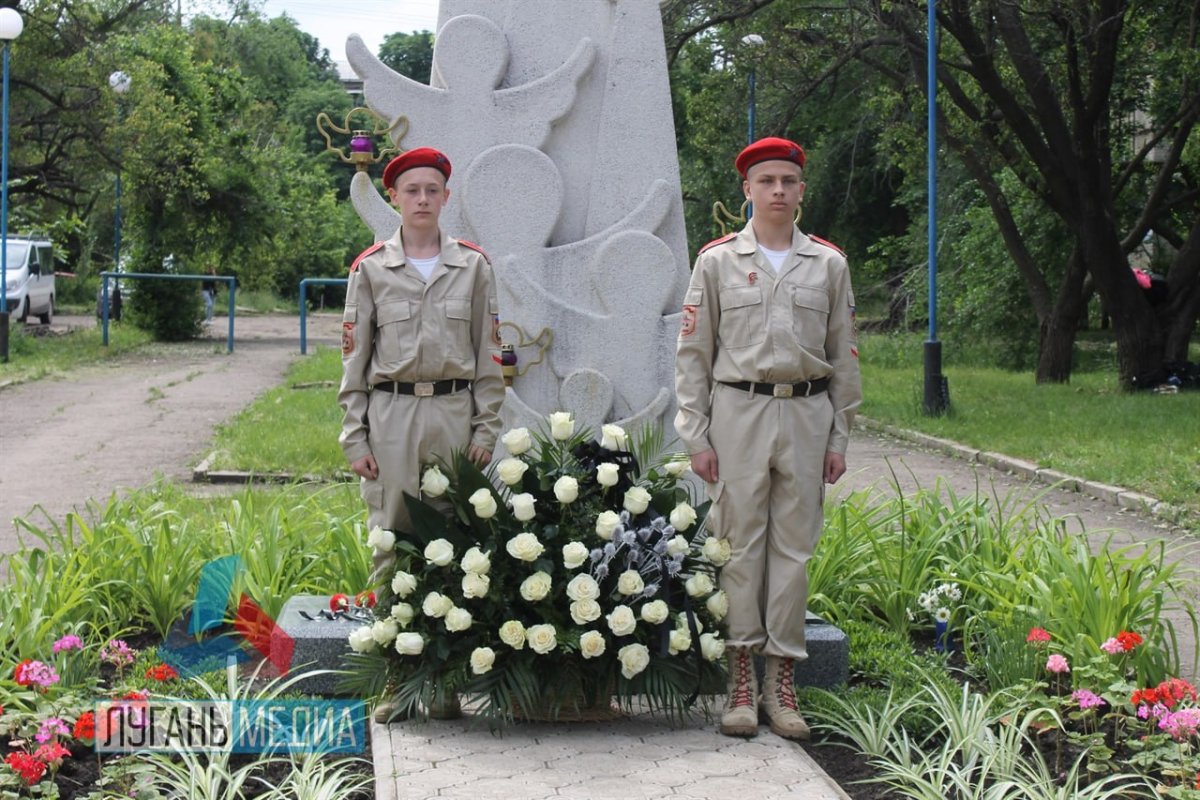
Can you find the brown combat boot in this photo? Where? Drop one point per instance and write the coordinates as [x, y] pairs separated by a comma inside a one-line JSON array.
[[741, 706], [779, 699]]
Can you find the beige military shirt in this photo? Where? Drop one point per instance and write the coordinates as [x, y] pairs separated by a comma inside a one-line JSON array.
[[742, 321], [399, 327]]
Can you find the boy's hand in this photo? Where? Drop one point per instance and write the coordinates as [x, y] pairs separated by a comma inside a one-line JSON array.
[[479, 456], [835, 467], [366, 467], [705, 466]]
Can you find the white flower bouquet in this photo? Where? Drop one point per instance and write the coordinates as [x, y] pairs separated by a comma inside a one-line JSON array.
[[562, 577]]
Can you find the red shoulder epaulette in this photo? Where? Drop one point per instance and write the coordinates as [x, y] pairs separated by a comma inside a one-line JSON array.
[[819, 240], [716, 242], [476, 248], [364, 254]]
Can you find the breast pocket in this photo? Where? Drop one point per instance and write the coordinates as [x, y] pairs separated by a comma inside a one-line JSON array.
[[396, 341], [810, 316], [458, 330], [742, 317]]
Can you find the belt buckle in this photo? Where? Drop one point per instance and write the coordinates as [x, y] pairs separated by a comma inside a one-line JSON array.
[[782, 390], [423, 389]]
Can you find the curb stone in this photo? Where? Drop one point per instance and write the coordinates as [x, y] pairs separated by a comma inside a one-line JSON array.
[[203, 473]]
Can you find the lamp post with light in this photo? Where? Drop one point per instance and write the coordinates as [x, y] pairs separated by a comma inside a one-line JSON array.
[[119, 82], [11, 26], [753, 41]]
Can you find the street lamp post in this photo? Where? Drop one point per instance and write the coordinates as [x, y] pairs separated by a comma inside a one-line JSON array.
[[11, 26], [120, 83], [752, 41], [937, 390]]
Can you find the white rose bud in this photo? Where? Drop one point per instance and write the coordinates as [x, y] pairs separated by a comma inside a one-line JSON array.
[[630, 583], [683, 517], [484, 503], [524, 547], [607, 474], [536, 587], [476, 561], [637, 500], [718, 605], [439, 552], [482, 659], [562, 427], [712, 648], [410, 644], [574, 554], [717, 551], [684, 624], [678, 545], [592, 644], [606, 524], [517, 441], [512, 633], [612, 437], [676, 467], [634, 658], [511, 470], [361, 640], [621, 621], [522, 506], [403, 613], [436, 605], [381, 541], [542, 638], [475, 586], [458, 619], [583, 587], [699, 585], [679, 641], [585, 611], [655, 612], [384, 630], [566, 489], [434, 483], [403, 584]]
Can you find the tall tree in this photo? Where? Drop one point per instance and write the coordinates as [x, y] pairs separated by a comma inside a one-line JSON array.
[[410, 54]]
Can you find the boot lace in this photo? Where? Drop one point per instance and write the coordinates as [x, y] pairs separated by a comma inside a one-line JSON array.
[[785, 692], [742, 696]]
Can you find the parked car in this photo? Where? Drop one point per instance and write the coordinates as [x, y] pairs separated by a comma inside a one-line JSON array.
[[29, 277]]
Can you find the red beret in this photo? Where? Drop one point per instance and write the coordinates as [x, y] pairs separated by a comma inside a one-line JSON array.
[[417, 157], [771, 148]]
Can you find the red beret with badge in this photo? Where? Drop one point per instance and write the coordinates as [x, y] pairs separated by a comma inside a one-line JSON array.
[[412, 159], [772, 148]]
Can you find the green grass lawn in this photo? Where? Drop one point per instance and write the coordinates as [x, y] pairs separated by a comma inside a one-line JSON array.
[[32, 357]]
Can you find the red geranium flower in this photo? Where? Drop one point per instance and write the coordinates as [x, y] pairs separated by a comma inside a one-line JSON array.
[[162, 673], [52, 753], [1175, 690], [339, 602], [85, 727], [29, 768], [19, 673], [1037, 636], [1147, 696], [1129, 640]]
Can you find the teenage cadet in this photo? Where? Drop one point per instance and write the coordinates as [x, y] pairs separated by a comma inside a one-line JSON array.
[[767, 378]]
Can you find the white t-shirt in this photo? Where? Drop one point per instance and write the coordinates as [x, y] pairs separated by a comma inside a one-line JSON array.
[[776, 257], [425, 265]]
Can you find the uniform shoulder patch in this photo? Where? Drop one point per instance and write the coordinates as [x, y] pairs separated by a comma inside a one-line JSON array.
[[364, 254], [476, 248], [819, 240], [716, 242]]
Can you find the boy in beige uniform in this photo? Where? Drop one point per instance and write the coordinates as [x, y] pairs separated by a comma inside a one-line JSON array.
[[768, 382]]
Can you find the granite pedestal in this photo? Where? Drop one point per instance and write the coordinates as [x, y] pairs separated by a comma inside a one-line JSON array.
[[318, 643]]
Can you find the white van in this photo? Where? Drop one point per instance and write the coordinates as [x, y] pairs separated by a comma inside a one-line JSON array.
[[29, 278]]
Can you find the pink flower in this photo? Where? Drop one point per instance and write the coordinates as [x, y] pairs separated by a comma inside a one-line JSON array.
[[1057, 664], [1112, 646], [1087, 699], [36, 673], [52, 754], [1038, 636], [1181, 724], [68, 642], [50, 728], [117, 653]]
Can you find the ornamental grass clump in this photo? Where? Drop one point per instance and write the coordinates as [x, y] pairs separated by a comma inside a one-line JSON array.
[[562, 577]]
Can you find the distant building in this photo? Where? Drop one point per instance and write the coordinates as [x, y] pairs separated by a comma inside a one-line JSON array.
[[349, 79]]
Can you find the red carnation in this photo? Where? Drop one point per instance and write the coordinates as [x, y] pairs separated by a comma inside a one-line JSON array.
[[85, 727], [1129, 640], [339, 602], [366, 598], [19, 673], [29, 768], [1038, 636]]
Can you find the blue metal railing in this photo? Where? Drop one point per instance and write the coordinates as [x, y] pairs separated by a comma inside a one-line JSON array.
[[304, 284], [230, 282]]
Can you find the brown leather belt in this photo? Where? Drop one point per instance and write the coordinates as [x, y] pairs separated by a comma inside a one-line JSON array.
[[428, 389], [802, 389]]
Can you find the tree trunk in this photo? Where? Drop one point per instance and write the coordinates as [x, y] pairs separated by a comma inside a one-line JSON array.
[[1058, 331]]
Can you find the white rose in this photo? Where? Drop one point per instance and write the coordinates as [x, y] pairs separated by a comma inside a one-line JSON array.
[[637, 500], [484, 503], [621, 621], [434, 483], [677, 546], [436, 605], [482, 659], [612, 437], [524, 547], [475, 586], [410, 644], [592, 644], [679, 641], [607, 474], [403, 584], [682, 517], [583, 587], [458, 619], [630, 582], [585, 611], [517, 441], [542, 638], [655, 612], [439, 552], [717, 551], [403, 613], [712, 648], [562, 427], [384, 630], [512, 633], [699, 585], [566, 489], [634, 658], [574, 554], [522, 506], [380, 540], [676, 467], [361, 640], [511, 470], [718, 605], [536, 587], [476, 561], [606, 524]]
